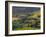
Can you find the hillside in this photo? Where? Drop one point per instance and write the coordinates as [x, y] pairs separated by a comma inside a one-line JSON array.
[[26, 22]]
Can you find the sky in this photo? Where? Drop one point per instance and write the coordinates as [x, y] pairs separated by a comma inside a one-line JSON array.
[[23, 10]]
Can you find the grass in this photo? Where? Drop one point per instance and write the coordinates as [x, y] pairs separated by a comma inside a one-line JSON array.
[[26, 28]]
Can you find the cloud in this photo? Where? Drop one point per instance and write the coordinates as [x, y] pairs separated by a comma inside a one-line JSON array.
[[23, 10]]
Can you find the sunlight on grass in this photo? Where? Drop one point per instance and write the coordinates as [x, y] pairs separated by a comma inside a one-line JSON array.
[[26, 28]]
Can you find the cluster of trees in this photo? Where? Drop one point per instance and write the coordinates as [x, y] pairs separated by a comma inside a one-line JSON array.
[[31, 20]]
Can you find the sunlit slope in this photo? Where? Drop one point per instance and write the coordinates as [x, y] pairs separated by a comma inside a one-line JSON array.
[[35, 14]]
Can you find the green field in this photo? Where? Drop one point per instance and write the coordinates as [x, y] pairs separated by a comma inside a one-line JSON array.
[[26, 28]]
